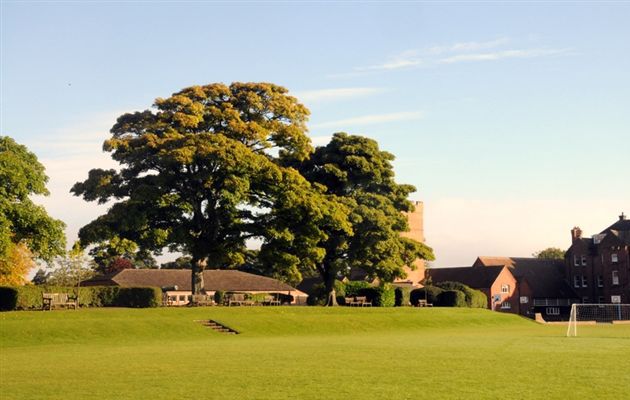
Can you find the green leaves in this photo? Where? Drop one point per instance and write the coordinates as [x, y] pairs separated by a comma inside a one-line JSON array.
[[21, 221]]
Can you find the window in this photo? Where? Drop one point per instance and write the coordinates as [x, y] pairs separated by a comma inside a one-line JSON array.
[[576, 261], [600, 281], [584, 281], [524, 299], [552, 310], [583, 260], [614, 258], [576, 281], [506, 305], [505, 288], [615, 299], [615, 277], [585, 300]]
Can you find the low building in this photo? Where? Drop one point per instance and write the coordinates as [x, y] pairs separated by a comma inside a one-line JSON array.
[[177, 283], [497, 282], [541, 285]]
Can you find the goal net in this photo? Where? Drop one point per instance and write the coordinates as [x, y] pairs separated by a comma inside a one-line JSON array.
[[591, 314]]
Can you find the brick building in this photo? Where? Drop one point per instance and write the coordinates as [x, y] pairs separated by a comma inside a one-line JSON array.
[[599, 267], [497, 282], [541, 285]]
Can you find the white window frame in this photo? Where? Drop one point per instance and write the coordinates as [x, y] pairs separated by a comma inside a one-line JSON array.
[[583, 261], [524, 299], [576, 281], [615, 299], [584, 281], [552, 310], [505, 288], [600, 281], [615, 277], [576, 260], [506, 305], [614, 258]]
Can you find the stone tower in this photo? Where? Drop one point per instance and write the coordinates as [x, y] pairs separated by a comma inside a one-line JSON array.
[[416, 232]]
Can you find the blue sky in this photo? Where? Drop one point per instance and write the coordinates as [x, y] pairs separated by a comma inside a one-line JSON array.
[[511, 119]]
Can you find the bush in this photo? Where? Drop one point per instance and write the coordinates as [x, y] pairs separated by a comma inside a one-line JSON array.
[[430, 293], [8, 298], [219, 297], [403, 296], [352, 288], [452, 298], [474, 298], [139, 297], [380, 296]]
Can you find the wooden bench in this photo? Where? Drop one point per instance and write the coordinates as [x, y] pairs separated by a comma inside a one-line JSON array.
[[424, 303], [238, 299], [201, 300], [358, 301], [63, 300], [270, 301]]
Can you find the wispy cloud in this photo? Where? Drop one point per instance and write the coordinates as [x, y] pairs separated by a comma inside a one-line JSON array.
[[371, 119], [323, 95], [498, 55], [490, 50]]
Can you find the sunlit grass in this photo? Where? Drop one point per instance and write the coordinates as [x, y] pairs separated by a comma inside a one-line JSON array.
[[306, 353]]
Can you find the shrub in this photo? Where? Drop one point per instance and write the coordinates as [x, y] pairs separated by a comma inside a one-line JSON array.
[[8, 298], [452, 298], [380, 296], [474, 298], [139, 297], [403, 296], [219, 297], [430, 293], [352, 288]]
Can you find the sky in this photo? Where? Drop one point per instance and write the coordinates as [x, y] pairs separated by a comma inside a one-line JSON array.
[[511, 119]]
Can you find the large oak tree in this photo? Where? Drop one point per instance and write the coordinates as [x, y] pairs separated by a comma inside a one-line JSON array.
[[198, 171], [355, 175]]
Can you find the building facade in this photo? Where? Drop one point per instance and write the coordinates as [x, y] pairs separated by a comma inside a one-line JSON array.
[[598, 267]]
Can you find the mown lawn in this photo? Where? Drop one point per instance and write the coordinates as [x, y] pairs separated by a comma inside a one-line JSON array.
[[306, 353]]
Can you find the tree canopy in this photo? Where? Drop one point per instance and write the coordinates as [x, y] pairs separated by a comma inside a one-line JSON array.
[[24, 226], [361, 224], [196, 169], [550, 253]]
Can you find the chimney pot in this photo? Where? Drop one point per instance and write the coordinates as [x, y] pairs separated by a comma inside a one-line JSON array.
[[622, 217]]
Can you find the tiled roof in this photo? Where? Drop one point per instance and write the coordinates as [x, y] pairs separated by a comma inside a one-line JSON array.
[[620, 225], [546, 277], [225, 280], [475, 277]]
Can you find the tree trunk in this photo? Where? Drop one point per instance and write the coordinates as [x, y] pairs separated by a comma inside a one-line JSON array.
[[198, 265], [331, 294]]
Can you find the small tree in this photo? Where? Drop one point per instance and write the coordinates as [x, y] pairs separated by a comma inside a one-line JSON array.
[[550, 253], [71, 269]]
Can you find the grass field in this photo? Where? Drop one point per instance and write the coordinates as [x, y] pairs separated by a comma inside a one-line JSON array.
[[306, 353]]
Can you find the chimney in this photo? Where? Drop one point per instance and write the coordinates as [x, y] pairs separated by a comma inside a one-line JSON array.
[[576, 233], [622, 217]]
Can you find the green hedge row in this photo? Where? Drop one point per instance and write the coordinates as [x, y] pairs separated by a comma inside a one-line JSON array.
[[472, 298], [29, 297]]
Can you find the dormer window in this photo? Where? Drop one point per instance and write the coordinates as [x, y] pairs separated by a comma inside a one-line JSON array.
[[614, 258]]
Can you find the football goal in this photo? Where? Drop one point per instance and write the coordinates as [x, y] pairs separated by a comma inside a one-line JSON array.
[[591, 314]]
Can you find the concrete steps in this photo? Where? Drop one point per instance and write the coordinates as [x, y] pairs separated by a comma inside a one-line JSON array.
[[217, 326]]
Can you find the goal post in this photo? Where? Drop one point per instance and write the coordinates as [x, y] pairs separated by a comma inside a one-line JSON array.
[[591, 314]]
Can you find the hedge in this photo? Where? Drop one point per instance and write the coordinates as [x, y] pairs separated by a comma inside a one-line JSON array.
[[430, 293], [352, 288], [380, 296], [474, 298], [29, 297], [8, 298], [452, 298], [403, 296]]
